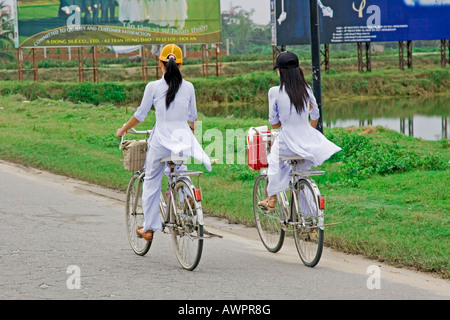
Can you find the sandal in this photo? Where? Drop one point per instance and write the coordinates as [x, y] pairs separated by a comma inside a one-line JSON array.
[[265, 204], [147, 235]]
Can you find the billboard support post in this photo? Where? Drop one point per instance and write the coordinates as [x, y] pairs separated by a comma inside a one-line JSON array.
[[83, 55], [146, 55], [144, 67], [326, 57], [364, 52], [445, 44], [275, 53], [315, 58], [401, 55], [401, 58], [206, 59], [21, 60], [409, 49], [218, 60]]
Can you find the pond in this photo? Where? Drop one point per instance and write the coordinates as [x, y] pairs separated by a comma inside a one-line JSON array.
[[425, 118]]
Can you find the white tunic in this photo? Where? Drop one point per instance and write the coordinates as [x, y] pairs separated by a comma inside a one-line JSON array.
[[171, 135], [296, 137], [171, 129]]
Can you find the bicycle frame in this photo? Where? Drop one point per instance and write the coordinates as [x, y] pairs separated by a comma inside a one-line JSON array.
[[293, 188], [285, 214], [300, 207], [164, 204], [173, 178]]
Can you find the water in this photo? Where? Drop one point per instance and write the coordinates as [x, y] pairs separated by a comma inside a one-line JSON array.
[[425, 118], [419, 126]]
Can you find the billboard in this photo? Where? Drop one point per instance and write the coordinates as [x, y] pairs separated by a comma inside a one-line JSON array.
[[347, 21], [61, 23]]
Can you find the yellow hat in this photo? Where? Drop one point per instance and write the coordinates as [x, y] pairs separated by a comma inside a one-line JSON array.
[[171, 49]]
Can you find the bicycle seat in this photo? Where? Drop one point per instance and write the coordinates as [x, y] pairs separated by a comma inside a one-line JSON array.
[[177, 160], [293, 158]]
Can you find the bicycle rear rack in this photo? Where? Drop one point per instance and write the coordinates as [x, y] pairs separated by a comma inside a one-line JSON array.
[[186, 173], [308, 172]]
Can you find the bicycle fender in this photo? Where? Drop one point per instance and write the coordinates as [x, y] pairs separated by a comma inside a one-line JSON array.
[[198, 205]]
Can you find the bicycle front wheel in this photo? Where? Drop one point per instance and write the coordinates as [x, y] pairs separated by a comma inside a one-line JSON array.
[[134, 214], [186, 231], [308, 234], [268, 224]]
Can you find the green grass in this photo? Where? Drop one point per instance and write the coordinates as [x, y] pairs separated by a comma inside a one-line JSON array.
[[395, 209], [249, 88], [402, 219]]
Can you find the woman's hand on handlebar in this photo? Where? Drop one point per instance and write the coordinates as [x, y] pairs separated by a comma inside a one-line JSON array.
[[127, 126], [120, 133]]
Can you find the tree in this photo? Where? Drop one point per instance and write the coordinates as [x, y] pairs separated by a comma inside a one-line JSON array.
[[244, 35]]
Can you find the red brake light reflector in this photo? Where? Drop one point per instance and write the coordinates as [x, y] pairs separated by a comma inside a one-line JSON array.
[[321, 202], [197, 194]]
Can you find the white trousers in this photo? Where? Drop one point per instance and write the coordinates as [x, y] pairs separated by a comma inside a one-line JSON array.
[[279, 172], [154, 171]]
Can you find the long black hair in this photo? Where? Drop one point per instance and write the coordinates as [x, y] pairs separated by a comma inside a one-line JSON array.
[[173, 79], [294, 83]]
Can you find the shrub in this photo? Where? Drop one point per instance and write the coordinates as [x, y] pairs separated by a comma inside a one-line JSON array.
[[97, 93], [362, 156]]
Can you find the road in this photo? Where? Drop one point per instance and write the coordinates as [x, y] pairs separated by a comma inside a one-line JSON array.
[[65, 239]]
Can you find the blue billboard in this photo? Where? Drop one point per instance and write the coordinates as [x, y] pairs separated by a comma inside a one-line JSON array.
[[347, 21]]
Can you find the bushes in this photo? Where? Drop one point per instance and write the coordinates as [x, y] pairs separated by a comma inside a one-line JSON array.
[[94, 93], [97, 93], [363, 156], [249, 88], [31, 91]]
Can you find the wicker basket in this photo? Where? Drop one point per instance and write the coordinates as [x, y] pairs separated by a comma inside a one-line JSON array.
[[134, 152]]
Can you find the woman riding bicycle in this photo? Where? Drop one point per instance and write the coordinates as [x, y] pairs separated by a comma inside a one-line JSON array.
[[174, 101], [290, 106]]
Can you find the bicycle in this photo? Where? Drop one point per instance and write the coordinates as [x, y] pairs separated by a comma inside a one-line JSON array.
[[181, 212], [300, 208]]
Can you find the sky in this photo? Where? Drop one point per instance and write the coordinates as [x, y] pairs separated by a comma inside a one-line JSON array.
[[261, 7]]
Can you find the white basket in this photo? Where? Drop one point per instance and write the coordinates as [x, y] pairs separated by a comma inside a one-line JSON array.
[[134, 153]]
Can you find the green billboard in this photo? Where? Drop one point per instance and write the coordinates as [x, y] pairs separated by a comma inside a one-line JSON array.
[[61, 23]]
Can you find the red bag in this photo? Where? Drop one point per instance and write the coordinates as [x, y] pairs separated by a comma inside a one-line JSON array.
[[257, 144]]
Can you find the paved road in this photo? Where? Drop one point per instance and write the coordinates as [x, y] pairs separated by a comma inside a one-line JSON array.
[[49, 223]]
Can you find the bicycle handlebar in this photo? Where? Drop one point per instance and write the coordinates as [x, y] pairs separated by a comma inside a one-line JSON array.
[[134, 131]]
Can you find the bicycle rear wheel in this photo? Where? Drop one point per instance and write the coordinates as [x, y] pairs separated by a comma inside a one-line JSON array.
[[186, 231], [268, 224], [134, 214], [307, 218]]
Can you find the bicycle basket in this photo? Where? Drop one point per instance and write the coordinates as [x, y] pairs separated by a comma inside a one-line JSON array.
[[257, 148], [134, 153]]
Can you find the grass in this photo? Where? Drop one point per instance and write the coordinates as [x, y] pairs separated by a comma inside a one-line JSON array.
[[249, 88], [394, 209]]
